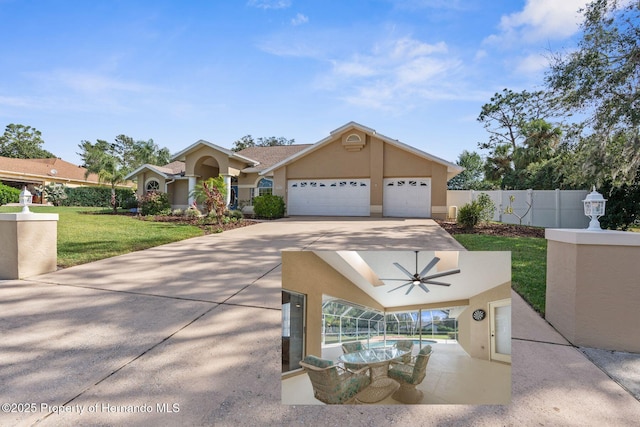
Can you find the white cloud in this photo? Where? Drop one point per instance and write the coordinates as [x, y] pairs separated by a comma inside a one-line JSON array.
[[532, 64], [299, 19], [269, 4], [540, 20], [394, 75]]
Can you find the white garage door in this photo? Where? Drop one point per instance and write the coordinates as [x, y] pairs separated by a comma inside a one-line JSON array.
[[345, 197], [407, 197]]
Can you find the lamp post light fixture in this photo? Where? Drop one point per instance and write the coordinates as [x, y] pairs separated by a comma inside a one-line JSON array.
[[25, 200], [594, 208]]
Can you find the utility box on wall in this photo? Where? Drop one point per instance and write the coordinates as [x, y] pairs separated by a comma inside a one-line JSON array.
[[29, 244]]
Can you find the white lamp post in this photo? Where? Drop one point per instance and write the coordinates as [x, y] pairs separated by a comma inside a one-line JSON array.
[[594, 209], [25, 200]]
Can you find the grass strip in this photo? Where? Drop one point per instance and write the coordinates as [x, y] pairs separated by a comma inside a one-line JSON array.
[[528, 263], [91, 234]]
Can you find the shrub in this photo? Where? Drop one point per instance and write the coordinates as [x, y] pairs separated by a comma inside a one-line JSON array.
[[54, 193], [177, 212], [623, 205], [479, 210], [99, 197], [193, 212], [154, 204], [235, 214], [268, 206], [9, 194], [486, 206]]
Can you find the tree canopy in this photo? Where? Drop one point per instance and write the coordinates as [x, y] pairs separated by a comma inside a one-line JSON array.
[[23, 142], [601, 79], [248, 141], [472, 177], [112, 162]]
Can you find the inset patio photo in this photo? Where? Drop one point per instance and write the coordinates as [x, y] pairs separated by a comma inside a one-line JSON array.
[[396, 327]]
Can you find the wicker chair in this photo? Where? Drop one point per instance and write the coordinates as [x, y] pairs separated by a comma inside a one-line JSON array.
[[409, 375], [405, 345], [352, 347], [333, 383]]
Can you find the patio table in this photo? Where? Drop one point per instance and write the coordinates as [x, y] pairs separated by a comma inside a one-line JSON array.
[[377, 360]]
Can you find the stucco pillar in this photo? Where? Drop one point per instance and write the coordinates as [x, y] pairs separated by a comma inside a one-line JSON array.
[[29, 244], [192, 187], [593, 287], [227, 184]]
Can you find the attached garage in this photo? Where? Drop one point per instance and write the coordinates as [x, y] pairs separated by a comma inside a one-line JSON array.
[[334, 197], [407, 197]]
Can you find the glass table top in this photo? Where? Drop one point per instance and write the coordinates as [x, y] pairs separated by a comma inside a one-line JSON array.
[[375, 355]]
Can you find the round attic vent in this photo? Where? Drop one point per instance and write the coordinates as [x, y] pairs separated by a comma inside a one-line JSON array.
[[53, 172]]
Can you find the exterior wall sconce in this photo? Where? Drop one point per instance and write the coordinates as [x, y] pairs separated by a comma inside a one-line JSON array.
[[594, 208], [25, 200]]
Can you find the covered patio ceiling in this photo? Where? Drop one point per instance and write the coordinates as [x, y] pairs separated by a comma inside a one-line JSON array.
[[372, 272]]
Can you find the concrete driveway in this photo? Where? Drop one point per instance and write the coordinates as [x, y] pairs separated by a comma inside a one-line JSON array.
[[189, 334]]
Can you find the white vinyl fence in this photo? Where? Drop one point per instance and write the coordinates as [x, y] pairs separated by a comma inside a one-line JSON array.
[[541, 208]]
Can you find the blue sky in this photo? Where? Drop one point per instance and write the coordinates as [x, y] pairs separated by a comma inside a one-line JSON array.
[[179, 71]]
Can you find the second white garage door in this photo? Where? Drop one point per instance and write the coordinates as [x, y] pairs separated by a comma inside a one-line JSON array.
[[329, 197], [407, 197]]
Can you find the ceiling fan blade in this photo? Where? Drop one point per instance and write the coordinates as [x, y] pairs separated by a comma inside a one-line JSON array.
[[444, 273], [429, 266], [423, 287], [397, 280], [401, 286], [404, 270], [410, 288], [433, 282]]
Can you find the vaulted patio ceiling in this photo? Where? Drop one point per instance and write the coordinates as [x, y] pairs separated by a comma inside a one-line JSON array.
[[479, 272]]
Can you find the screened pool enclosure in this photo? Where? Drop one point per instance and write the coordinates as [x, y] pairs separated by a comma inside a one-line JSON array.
[[343, 321]]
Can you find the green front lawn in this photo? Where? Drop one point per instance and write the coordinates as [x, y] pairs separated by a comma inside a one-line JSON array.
[[86, 234], [528, 261]]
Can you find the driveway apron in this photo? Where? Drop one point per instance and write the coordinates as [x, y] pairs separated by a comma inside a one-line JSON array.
[[188, 334]]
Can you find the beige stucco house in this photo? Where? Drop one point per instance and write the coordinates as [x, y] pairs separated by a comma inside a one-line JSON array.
[[355, 171]]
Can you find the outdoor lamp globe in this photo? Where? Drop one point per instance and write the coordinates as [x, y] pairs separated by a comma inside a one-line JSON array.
[[25, 199], [594, 205]]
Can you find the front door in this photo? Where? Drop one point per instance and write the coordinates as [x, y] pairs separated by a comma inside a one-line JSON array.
[[500, 324]]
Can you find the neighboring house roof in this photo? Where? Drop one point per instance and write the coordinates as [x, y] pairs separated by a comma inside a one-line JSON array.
[[45, 169], [232, 154], [269, 156], [168, 171], [452, 168]]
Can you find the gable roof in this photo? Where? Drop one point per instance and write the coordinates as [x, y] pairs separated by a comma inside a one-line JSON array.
[[452, 168], [269, 156], [52, 169], [232, 154], [169, 170]]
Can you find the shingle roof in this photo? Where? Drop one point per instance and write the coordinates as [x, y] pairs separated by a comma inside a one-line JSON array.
[[52, 168], [173, 168], [269, 156]]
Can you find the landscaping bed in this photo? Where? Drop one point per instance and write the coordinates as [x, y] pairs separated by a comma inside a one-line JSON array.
[[493, 229], [208, 227]]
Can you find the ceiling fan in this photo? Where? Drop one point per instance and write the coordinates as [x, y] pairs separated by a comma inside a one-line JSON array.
[[420, 279]]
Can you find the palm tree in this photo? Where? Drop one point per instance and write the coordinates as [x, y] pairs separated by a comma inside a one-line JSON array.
[[213, 194]]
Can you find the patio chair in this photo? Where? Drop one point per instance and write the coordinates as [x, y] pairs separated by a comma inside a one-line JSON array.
[[333, 383], [352, 347], [405, 345], [409, 375]]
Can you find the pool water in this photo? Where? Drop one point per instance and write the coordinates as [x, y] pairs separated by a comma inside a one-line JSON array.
[[376, 344]]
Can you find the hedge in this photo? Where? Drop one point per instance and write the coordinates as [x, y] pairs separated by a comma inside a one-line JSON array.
[[99, 197], [8, 194]]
